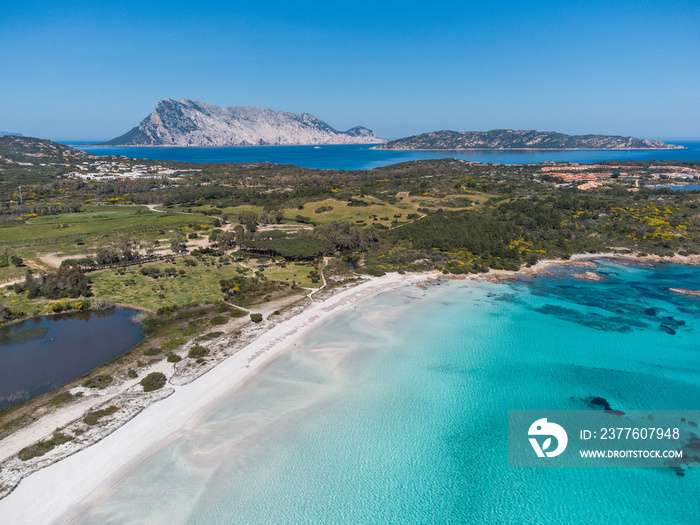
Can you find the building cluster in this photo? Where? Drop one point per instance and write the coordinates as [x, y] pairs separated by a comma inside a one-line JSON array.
[[113, 170], [586, 174], [675, 172]]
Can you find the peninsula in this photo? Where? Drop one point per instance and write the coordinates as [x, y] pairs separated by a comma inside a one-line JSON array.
[[518, 139]]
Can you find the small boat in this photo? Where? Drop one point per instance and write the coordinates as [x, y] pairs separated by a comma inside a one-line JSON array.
[[317, 147]]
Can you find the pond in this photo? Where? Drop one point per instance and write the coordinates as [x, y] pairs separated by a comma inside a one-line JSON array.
[[680, 187], [41, 354]]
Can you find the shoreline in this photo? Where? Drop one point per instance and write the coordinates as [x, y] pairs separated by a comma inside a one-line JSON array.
[[125, 446], [65, 484], [528, 149], [228, 146], [541, 267]]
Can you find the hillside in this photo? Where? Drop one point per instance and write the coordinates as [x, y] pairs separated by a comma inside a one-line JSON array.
[[519, 139], [14, 148], [191, 123]]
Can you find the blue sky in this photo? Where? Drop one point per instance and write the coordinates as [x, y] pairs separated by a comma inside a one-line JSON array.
[[93, 70]]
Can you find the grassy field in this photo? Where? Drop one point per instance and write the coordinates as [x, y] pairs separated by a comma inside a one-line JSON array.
[[298, 272], [52, 233], [199, 284], [9, 273], [233, 211], [376, 212], [33, 307]]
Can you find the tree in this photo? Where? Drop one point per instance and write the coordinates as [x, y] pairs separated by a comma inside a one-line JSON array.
[[226, 240], [149, 247], [178, 243], [65, 282], [153, 381], [197, 351], [248, 217], [126, 249]]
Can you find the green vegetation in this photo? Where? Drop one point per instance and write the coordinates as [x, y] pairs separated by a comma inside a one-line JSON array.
[[61, 399], [297, 248], [237, 312], [199, 284], [42, 447], [100, 382], [153, 381], [65, 230], [173, 344], [66, 282], [197, 351], [247, 290], [228, 235], [268, 227], [210, 336], [506, 138], [92, 418]]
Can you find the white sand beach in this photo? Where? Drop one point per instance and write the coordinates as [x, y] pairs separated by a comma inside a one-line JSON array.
[[61, 492]]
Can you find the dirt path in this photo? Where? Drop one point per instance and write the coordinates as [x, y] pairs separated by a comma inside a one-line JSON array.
[[10, 283], [55, 260], [323, 279]]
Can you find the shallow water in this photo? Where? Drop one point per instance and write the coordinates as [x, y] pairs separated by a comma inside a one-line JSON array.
[[397, 411], [41, 354]]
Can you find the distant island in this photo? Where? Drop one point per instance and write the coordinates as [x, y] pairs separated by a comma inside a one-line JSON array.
[[518, 139], [191, 123]]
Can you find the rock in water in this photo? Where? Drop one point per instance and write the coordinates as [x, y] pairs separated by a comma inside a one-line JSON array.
[[589, 276], [191, 123]]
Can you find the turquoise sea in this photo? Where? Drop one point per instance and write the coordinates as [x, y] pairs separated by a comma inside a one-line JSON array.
[[362, 157], [397, 411]]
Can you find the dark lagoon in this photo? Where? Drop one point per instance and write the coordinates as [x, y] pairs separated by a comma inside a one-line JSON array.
[[44, 353], [363, 157]]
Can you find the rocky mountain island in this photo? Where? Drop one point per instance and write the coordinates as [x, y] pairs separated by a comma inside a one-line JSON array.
[[518, 139], [191, 123]]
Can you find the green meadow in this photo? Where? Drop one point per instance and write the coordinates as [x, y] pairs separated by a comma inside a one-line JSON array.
[[193, 284]]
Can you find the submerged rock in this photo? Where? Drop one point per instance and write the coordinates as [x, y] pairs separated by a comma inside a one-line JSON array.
[[602, 402], [589, 276], [667, 329], [585, 264], [684, 291]]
